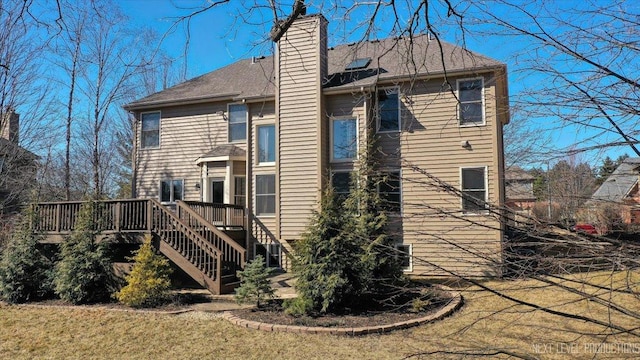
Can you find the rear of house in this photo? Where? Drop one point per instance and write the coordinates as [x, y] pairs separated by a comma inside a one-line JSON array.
[[270, 133]]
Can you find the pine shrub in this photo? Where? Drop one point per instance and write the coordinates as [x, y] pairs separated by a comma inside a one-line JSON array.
[[148, 283], [344, 258], [25, 273], [254, 282], [84, 273]]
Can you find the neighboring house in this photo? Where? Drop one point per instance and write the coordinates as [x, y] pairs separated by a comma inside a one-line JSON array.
[[17, 165], [621, 189], [269, 133], [518, 185]]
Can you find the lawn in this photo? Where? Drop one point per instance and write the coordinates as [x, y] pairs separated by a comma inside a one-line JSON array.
[[487, 324]]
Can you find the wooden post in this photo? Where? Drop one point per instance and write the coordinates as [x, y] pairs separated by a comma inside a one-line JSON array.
[[149, 226], [117, 215], [57, 217]]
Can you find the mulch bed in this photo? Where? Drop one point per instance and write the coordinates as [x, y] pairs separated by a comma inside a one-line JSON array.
[[273, 313]]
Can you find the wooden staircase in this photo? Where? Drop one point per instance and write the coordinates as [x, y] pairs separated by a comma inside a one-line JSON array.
[[200, 247]]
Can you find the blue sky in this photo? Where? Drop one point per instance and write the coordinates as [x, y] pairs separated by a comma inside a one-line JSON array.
[[220, 37]]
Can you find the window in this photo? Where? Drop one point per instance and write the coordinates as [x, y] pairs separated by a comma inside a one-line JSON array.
[[359, 63], [266, 144], [470, 108], [344, 139], [237, 122], [388, 110], [150, 136], [265, 194], [271, 253], [171, 191], [341, 183], [390, 191], [240, 195], [474, 189], [404, 254]]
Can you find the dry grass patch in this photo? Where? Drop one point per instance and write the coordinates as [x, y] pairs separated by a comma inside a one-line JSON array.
[[487, 324]]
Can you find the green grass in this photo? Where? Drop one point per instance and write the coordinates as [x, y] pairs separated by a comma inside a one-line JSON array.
[[487, 323]]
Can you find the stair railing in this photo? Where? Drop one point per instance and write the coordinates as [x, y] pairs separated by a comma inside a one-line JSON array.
[[233, 254], [187, 241]]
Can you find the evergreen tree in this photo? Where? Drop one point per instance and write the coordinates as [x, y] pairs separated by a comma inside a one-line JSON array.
[[84, 273], [148, 283], [254, 282], [25, 273], [329, 268], [345, 258]]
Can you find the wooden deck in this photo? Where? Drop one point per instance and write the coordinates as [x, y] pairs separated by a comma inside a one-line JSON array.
[[192, 235]]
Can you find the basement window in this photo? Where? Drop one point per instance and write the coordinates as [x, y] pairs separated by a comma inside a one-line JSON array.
[[404, 254]]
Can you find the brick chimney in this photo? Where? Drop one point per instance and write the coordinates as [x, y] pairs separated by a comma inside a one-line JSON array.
[[10, 126]]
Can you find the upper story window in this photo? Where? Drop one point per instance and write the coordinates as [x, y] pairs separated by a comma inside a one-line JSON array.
[[344, 139], [471, 106], [237, 122], [266, 144], [265, 194], [150, 135], [474, 189], [390, 192], [388, 110], [171, 190]]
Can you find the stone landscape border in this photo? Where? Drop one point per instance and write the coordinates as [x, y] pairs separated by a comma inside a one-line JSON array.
[[454, 304]]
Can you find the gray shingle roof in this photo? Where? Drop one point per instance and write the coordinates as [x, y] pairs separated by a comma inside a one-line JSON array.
[[390, 59], [619, 182], [225, 150]]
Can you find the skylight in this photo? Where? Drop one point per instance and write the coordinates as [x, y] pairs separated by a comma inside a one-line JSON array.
[[358, 64]]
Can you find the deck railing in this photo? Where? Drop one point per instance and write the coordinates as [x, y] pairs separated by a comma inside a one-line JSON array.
[[222, 215], [110, 216]]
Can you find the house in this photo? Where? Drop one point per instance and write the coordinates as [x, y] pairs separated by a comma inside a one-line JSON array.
[[519, 191], [621, 190], [17, 165], [269, 133]]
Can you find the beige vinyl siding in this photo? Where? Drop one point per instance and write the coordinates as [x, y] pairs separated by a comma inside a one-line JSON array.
[[186, 133], [442, 236], [299, 125]]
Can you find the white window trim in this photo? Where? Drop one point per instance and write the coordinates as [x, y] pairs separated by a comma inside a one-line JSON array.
[[486, 191], [171, 195], [399, 171], [255, 198], [246, 122], [266, 163], [397, 89], [334, 118], [267, 259], [159, 130], [410, 253], [484, 119]]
